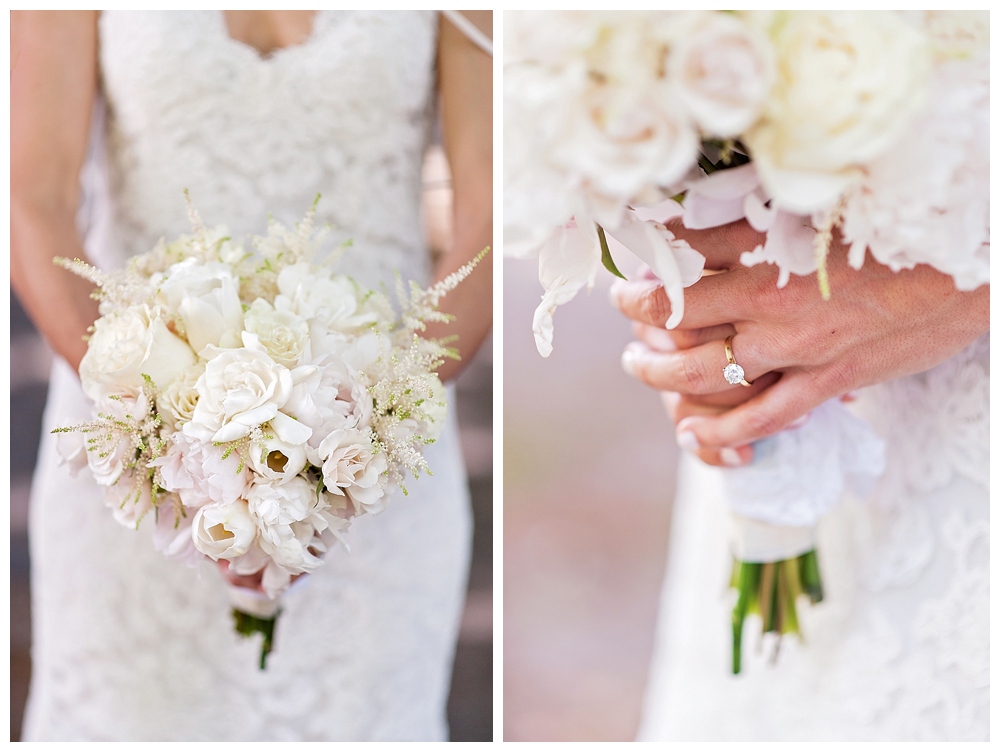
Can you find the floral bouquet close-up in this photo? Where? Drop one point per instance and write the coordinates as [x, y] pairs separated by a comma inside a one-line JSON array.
[[807, 125], [250, 402]]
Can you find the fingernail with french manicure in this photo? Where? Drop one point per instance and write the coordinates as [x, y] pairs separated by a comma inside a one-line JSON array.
[[687, 441], [630, 357], [799, 422], [730, 457]]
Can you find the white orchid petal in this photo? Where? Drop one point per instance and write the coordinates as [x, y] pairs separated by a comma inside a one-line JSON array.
[[290, 430], [646, 242]]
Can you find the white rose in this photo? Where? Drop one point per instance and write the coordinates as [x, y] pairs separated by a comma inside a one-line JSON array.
[[127, 344], [351, 465], [335, 301], [224, 531], [71, 446], [196, 471], [723, 70], [847, 84], [241, 389], [179, 398], [283, 334], [206, 296]]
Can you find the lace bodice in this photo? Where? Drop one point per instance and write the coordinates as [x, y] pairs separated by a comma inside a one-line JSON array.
[[899, 649], [345, 114], [130, 646]]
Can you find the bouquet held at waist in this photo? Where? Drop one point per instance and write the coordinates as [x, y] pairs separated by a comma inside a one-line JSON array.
[[250, 401]]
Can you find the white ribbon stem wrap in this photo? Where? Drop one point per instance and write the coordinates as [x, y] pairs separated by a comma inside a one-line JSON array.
[[253, 602], [761, 542]]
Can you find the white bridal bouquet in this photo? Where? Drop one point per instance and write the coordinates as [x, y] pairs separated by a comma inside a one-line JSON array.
[[874, 124], [252, 401]]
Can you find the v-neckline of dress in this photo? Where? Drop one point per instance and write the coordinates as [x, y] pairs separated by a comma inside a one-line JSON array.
[[278, 52]]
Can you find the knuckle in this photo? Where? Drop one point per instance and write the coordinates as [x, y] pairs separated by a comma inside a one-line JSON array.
[[653, 306], [693, 378], [763, 423]]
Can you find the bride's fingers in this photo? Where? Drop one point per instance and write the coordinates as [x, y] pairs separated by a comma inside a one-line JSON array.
[[695, 371], [250, 581], [721, 246], [709, 302], [796, 394], [681, 408], [666, 340]]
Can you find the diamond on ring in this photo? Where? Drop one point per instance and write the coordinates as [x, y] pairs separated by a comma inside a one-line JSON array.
[[733, 373]]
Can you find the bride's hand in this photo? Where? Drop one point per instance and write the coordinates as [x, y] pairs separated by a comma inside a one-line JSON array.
[[878, 325], [248, 581]]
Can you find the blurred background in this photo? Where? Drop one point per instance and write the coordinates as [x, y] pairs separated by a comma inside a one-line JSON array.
[[470, 706], [589, 468]]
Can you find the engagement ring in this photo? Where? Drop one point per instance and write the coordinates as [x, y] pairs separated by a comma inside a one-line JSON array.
[[733, 372]]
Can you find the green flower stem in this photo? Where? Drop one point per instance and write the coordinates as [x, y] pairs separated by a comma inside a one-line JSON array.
[[249, 625], [770, 590]]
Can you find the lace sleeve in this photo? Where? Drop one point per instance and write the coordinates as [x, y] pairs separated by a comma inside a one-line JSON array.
[[466, 26]]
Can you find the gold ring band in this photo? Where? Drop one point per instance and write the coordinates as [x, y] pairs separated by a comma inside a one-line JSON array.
[[733, 372]]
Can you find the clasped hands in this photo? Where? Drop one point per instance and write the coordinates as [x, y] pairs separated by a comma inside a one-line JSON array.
[[797, 349]]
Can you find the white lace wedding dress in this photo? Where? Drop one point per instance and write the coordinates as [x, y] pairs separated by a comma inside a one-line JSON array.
[[128, 645], [899, 649]]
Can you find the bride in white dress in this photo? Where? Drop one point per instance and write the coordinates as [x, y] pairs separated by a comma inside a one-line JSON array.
[[254, 112]]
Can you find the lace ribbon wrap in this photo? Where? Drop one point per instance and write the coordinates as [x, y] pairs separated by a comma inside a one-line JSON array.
[[799, 474]]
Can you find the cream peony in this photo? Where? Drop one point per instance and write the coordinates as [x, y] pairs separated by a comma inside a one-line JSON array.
[[847, 84], [224, 531], [935, 209], [196, 471], [127, 344]]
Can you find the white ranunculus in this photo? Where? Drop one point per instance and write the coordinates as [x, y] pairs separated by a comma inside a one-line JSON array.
[[283, 334], [127, 344], [196, 471], [847, 84], [335, 301], [351, 465], [277, 461], [206, 297], [224, 531], [723, 70], [934, 209], [178, 400], [243, 388]]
